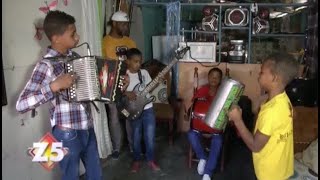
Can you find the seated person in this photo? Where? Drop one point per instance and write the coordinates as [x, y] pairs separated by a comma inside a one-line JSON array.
[[203, 97]]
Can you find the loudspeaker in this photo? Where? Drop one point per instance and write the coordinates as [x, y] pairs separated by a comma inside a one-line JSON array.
[[207, 10], [160, 93], [264, 13], [260, 26], [236, 17], [210, 23]]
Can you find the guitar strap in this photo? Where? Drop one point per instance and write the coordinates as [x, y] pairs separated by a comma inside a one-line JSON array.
[[140, 76], [121, 104]]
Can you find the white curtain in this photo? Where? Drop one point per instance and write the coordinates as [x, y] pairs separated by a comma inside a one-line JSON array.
[[93, 16], [108, 12]]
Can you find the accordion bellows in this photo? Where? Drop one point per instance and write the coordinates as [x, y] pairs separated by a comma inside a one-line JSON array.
[[98, 79]]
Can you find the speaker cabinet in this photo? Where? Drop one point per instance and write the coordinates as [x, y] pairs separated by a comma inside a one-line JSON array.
[[236, 17], [210, 23], [260, 26]]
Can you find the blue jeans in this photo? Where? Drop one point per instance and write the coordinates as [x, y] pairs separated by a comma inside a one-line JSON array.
[[82, 145], [215, 147], [146, 123]]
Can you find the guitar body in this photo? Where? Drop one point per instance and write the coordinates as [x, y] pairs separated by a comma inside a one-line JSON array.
[[133, 109]]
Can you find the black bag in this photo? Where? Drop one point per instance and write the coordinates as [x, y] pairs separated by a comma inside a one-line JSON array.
[[245, 104], [303, 92]]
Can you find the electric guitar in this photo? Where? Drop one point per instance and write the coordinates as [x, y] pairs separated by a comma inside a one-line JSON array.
[[133, 109]]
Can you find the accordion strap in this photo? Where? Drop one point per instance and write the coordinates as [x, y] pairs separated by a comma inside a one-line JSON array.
[[74, 54], [95, 107], [63, 58]]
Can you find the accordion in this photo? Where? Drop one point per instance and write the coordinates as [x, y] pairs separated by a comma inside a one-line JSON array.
[[99, 79]]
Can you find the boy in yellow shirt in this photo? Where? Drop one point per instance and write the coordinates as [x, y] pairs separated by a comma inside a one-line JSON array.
[[272, 140]]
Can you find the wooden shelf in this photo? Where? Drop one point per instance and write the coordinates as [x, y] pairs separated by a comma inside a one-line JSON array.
[[221, 27], [235, 28], [141, 3], [280, 35]]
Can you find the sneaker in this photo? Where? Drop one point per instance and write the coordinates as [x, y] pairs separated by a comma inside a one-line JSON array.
[[201, 165], [206, 177], [153, 166], [135, 166], [115, 155]]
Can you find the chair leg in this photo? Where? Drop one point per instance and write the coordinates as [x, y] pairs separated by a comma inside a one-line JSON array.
[[170, 131], [224, 149], [222, 159], [190, 156]]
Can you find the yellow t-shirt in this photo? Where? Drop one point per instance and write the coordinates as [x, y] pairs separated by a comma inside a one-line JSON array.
[[111, 45], [275, 160]]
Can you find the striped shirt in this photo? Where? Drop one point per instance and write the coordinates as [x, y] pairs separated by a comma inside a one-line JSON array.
[[37, 91]]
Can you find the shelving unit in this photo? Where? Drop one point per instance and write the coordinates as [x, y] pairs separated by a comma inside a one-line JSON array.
[[248, 28], [279, 35]]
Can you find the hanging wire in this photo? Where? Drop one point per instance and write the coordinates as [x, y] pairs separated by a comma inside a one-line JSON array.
[[172, 30]]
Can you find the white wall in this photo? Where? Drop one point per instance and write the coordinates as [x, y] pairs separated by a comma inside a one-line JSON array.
[[20, 52], [136, 29]]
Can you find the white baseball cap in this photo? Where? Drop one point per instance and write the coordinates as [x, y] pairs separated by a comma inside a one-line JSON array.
[[120, 16]]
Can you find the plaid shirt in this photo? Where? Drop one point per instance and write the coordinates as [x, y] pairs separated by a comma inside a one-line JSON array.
[[37, 91]]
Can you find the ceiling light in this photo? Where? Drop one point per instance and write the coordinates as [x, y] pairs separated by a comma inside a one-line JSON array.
[[299, 8], [281, 15], [300, 1], [274, 14]]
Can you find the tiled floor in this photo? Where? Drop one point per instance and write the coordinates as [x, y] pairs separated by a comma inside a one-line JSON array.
[[173, 162]]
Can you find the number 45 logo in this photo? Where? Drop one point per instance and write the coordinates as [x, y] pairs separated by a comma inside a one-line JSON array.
[[48, 151]]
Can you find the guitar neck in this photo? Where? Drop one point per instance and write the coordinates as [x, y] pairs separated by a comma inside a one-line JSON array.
[[155, 81]]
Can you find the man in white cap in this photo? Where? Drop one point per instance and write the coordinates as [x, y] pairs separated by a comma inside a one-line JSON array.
[[114, 46], [117, 40]]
